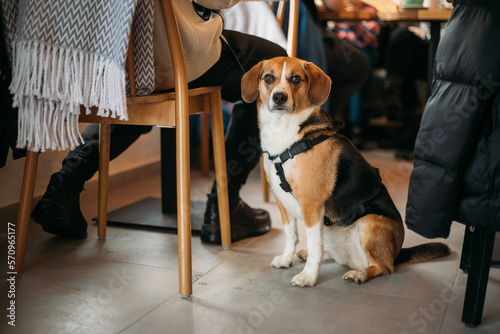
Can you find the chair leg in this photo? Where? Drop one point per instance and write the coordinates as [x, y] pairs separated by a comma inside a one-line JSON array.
[[204, 142], [481, 249], [263, 181], [183, 205], [220, 168], [24, 212], [102, 215]]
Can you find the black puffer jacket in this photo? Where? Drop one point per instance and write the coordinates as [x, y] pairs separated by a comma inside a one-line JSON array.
[[456, 172]]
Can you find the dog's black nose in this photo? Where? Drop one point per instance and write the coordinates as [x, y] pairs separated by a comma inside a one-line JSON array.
[[280, 98]]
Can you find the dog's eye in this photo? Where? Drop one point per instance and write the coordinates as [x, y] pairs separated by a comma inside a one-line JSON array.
[[268, 78], [295, 79]]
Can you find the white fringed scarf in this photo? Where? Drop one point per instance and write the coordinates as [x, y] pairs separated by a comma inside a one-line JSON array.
[[66, 53]]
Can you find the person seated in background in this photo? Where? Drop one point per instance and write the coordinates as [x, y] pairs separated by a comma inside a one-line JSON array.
[[214, 57], [310, 46], [343, 62], [255, 18], [364, 36], [407, 58], [340, 59], [406, 61]]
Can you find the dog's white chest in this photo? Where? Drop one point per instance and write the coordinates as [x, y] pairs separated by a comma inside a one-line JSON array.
[[286, 198], [279, 132]]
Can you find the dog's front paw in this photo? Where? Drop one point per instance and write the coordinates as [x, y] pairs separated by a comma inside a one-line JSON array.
[[303, 280], [355, 276], [281, 261], [302, 254]]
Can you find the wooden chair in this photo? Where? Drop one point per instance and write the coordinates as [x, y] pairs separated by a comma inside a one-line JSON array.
[[162, 109]]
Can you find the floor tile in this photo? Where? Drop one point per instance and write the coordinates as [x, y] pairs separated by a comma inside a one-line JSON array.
[[238, 305], [83, 295], [128, 283], [490, 320]]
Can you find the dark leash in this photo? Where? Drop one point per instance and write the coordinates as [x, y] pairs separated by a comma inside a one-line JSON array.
[[205, 14]]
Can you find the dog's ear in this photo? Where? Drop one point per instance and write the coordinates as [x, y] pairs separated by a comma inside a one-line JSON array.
[[319, 84], [250, 83]]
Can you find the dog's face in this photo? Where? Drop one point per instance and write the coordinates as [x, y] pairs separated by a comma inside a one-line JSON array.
[[286, 85]]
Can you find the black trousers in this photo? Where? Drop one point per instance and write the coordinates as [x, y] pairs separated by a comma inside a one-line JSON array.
[[407, 59], [348, 68], [242, 137]]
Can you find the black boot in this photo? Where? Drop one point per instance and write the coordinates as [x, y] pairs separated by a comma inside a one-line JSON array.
[[245, 221], [58, 211]]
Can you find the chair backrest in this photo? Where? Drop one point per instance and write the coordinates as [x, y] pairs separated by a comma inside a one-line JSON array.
[[176, 53]]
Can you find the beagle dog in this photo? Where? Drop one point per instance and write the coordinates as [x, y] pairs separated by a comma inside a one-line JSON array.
[[318, 176]]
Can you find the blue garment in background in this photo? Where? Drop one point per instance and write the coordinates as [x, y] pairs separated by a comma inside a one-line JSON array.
[[357, 112]]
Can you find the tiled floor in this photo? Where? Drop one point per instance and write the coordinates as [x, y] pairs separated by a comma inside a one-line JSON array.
[[128, 282]]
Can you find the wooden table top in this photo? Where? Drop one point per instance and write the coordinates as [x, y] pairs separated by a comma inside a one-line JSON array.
[[430, 14]]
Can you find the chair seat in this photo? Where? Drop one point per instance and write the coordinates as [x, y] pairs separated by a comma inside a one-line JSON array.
[[170, 95], [149, 110]]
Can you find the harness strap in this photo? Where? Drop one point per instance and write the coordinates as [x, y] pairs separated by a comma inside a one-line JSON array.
[[281, 173], [206, 14], [359, 211], [235, 57], [301, 146]]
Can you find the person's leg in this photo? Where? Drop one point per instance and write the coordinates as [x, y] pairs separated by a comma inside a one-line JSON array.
[[357, 107], [347, 67], [242, 138], [83, 162], [418, 71], [406, 60], [58, 211]]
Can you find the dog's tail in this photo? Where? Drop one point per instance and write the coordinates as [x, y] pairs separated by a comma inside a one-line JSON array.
[[428, 251]]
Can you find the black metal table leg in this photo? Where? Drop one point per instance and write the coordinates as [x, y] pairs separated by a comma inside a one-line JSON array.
[[168, 171], [433, 45], [481, 250], [466, 248]]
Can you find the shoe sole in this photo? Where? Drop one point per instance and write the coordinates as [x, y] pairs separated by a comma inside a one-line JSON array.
[[211, 235]]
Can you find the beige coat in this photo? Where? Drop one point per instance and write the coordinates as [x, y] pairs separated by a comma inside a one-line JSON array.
[[200, 40]]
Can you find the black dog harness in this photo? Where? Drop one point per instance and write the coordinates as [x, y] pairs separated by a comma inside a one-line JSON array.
[[372, 204], [357, 213], [299, 147]]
